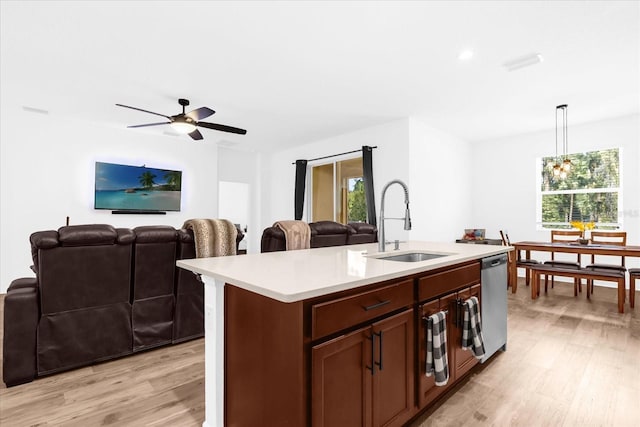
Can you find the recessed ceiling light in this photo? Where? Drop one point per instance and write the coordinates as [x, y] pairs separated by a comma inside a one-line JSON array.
[[465, 55]]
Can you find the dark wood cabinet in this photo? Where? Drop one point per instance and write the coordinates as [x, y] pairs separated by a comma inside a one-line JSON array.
[[463, 359], [393, 380], [352, 358], [341, 382], [428, 391], [459, 361], [365, 378]]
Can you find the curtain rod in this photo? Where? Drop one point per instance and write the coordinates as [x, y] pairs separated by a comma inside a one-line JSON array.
[[335, 155]]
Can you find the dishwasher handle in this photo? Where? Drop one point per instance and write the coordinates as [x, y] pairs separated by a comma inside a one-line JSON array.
[[494, 261]]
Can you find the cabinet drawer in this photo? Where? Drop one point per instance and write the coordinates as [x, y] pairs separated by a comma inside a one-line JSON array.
[[333, 316], [447, 281]]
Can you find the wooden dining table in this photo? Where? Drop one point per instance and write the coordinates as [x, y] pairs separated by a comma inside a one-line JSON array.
[[570, 248]]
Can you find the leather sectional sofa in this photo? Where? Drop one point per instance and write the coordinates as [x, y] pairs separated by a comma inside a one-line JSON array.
[[100, 293], [323, 234]]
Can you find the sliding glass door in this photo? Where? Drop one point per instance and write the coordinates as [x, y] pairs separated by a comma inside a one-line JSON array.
[[337, 192]]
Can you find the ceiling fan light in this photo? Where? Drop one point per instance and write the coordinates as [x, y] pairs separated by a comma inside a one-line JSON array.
[[183, 127]]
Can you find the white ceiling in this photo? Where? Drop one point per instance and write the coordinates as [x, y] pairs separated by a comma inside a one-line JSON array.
[[295, 72]]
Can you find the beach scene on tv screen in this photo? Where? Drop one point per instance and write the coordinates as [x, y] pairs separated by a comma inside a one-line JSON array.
[[122, 187]]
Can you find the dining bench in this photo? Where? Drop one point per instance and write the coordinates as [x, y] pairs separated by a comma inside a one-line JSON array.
[[577, 274]]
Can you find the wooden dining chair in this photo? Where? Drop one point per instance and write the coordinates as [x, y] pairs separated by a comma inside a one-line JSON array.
[[564, 236], [520, 263], [612, 238]]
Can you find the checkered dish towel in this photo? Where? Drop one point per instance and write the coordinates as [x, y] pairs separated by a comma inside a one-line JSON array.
[[437, 348], [472, 328]]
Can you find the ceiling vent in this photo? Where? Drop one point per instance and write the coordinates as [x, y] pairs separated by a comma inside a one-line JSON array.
[[34, 110], [523, 61]]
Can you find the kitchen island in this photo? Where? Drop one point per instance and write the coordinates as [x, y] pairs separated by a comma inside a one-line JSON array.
[[319, 336]]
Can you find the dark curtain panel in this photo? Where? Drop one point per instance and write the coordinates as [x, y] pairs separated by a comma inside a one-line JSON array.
[[301, 178], [367, 169]]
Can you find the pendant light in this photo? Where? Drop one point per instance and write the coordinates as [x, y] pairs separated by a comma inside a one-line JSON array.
[[561, 169]]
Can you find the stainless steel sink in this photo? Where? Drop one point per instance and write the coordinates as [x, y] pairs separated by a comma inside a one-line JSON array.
[[412, 257]]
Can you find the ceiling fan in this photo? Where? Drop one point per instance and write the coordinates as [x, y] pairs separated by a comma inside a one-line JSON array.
[[188, 122]]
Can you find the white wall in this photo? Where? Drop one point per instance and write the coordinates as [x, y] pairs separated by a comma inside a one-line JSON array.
[[390, 161], [504, 176], [47, 174], [409, 150], [441, 205]]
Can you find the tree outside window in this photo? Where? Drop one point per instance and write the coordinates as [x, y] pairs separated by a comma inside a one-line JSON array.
[[357, 204]]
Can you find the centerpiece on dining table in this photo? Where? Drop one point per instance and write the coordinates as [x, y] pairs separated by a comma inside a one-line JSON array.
[[583, 227]]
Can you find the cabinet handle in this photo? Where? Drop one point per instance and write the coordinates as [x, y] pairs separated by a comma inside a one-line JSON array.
[[372, 368], [379, 334], [457, 322], [459, 313], [376, 305]]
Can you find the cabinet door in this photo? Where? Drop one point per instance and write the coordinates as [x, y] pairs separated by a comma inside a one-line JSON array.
[[393, 398], [464, 359], [428, 390], [341, 381]]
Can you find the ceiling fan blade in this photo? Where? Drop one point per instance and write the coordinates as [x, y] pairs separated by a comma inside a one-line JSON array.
[[223, 128], [196, 135], [200, 113], [144, 111], [149, 124]]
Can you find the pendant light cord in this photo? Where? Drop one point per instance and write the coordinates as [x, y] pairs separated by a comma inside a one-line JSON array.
[[556, 135]]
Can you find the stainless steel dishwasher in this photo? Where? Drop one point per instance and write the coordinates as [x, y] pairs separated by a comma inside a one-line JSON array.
[[494, 304]]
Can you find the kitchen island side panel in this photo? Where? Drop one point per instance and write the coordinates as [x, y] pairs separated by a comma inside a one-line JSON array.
[[265, 382]]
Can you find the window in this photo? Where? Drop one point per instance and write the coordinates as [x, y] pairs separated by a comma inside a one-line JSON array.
[[337, 192], [591, 191]]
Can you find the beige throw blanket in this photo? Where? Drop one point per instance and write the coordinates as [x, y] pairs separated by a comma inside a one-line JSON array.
[[213, 237], [297, 234]]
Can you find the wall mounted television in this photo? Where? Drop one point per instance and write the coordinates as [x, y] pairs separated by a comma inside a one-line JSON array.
[[137, 189]]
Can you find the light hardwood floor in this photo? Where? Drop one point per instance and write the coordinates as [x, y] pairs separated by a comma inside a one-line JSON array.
[[569, 362]]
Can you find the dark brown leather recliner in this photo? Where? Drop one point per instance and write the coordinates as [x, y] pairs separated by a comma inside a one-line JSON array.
[[323, 234], [153, 286], [77, 309], [99, 293]]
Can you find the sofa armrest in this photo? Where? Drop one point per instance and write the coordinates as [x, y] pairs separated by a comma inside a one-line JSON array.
[[21, 314], [273, 240]]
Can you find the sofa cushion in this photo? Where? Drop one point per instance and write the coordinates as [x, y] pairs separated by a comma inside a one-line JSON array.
[[91, 234], [328, 233], [328, 227], [126, 236], [155, 234], [363, 227]]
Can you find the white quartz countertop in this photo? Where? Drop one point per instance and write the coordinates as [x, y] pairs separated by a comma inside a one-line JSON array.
[[297, 275]]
